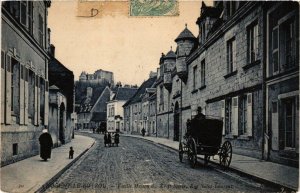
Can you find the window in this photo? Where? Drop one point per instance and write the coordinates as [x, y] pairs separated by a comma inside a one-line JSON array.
[[23, 13], [194, 77], [228, 116], [289, 123], [15, 149], [288, 36], [284, 39], [230, 8], [252, 42], [31, 88], [243, 115], [15, 86], [203, 73], [41, 31], [30, 16], [231, 56], [161, 104], [275, 55], [42, 98]]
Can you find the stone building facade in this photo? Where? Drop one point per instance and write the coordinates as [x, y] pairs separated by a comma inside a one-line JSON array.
[[24, 77], [115, 111], [61, 79], [242, 67], [138, 111], [149, 111], [58, 121], [99, 76], [282, 82]]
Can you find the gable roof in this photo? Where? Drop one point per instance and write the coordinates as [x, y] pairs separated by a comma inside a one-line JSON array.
[[87, 103], [139, 93], [98, 116], [124, 93], [105, 98]]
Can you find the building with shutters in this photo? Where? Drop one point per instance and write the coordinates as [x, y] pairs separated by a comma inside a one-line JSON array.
[[24, 77], [139, 110], [282, 82], [243, 67], [115, 111]]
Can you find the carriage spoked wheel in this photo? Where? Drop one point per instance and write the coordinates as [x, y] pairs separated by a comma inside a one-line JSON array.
[[192, 153], [225, 154], [180, 151]]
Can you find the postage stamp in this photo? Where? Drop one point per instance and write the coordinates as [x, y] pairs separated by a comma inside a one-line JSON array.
[[154, 8]]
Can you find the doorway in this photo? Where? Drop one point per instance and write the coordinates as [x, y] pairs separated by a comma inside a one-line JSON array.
[[176, 122], [61, 123]]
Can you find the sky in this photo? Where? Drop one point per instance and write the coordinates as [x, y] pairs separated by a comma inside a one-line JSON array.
[[128, 46]]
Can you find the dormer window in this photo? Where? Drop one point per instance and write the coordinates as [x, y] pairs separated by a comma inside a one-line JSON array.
[[230, 8], [203, 32]]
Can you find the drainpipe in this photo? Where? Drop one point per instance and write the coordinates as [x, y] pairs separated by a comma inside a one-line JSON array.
[[168, 116], [264, 130], [180, 133], [156, 115]]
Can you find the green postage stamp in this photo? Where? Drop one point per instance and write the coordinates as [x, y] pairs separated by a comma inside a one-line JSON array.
[[154, 8]]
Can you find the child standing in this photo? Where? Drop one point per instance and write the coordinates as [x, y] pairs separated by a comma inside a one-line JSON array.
[[71, 153]]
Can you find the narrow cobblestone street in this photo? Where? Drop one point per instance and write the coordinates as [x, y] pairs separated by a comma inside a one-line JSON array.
[[140, 166]]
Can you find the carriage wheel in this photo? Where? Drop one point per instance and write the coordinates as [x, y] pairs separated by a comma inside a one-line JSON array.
[[206, 159], [180, 151], [225, 154], [192, 151]]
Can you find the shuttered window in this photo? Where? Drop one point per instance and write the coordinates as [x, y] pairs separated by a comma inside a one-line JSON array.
[[235, 111], [223, 115], [8, 90], [249, 114], [3, 82]]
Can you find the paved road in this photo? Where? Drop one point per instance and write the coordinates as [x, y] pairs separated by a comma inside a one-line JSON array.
[[140, 166]]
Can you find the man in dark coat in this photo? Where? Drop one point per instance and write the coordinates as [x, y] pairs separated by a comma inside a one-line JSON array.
[[105, 139], [109, 139], [143, 132], [117, 136], [199, 115], [46, 144]]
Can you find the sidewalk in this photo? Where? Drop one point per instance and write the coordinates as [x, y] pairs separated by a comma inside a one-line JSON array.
[[31, 174], [270, 172]]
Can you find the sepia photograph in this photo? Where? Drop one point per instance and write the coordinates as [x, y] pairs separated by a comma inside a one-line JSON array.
[[149, 96]]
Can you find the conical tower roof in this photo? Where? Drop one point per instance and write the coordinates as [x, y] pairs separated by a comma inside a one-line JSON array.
[[170, 55], [185, 34]]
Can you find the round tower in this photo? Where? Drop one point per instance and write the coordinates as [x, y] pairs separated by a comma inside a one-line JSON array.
[[169, 65], [161, 66], [82, 76], [185, 43]]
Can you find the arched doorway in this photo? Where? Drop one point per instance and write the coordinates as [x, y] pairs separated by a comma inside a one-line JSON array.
[[61, 123], [176, 122]]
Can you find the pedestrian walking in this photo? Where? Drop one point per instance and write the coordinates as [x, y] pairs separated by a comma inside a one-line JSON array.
[[109, 139], [105, 139], [46, 144], [71, 153], [143, 132], [117, 137]]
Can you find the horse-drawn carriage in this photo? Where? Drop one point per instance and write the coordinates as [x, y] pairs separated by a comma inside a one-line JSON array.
[[204, 137]]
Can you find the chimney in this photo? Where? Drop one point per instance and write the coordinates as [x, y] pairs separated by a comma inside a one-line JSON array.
[[89, 92], [52, 50], [152, 74]]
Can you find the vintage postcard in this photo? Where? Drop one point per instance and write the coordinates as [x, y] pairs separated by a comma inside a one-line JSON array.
[[149, 96]]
